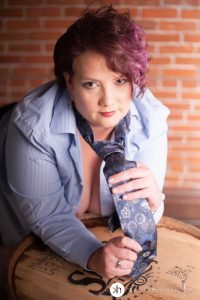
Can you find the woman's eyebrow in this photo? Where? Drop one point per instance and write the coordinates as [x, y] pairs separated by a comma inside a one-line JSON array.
[[89, 79]]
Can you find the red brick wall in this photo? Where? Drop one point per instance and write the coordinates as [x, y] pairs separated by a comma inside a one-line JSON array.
[[29, 29]]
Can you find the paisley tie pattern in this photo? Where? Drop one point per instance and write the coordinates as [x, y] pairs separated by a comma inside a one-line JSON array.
[[134, 217]]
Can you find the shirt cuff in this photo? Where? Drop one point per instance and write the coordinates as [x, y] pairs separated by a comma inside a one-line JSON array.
[[84, 248], [157, 215]]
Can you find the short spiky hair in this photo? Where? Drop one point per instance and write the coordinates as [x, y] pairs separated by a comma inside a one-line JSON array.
[[114, 35]]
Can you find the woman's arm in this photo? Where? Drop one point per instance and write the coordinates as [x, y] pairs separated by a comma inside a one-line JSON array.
[[37, 197], [148, 178]]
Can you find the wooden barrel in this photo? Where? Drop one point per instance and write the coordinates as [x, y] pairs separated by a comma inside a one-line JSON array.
[[36, 273]]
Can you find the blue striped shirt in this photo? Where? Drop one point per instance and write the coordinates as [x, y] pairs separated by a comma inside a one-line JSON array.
[[41, 178]]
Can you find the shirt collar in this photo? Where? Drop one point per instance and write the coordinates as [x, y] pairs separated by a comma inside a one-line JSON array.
[[63, 119], [133, 112]]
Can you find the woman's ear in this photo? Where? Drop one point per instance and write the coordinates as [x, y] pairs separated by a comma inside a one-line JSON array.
[[68, 81]]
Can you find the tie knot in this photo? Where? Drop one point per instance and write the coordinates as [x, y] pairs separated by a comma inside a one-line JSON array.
[[118, 157], [106, 148], [113, 163]]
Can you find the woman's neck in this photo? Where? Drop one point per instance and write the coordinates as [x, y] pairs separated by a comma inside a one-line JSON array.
[[101, 134]]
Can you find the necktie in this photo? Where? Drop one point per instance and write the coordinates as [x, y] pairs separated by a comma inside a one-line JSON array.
[[134, 217]]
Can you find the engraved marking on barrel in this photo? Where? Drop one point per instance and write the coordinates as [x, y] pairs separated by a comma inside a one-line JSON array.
[[50, 264], [99, 286], [181, 272], [183, 285]]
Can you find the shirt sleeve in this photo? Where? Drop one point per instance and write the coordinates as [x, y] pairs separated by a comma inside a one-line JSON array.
[[155, 158], [159, 212], [39, 202], [151, 139]]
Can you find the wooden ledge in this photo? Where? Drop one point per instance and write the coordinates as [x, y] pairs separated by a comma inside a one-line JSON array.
[[183, 204]]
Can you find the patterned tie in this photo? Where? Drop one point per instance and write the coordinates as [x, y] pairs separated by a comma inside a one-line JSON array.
[[134, 217]]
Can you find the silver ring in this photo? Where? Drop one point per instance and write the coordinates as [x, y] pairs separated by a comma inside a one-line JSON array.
[[119, 263]]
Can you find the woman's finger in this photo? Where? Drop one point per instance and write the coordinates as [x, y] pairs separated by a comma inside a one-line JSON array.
[[143, 193], [141, 165], [121, 272], [126, 243], [132, 185], [124, 263], [132, 173]]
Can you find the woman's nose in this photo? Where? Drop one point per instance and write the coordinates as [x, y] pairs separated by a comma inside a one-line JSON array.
[[107, 98]]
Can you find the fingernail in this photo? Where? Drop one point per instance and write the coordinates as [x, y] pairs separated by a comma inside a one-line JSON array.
[[110, 180], [125, 197], [115, 190]]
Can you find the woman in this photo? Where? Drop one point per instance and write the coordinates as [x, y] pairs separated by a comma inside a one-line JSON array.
[[51, 176]]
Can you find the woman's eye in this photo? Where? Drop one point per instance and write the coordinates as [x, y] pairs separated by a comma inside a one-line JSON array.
[[121, 81], [89, 84]]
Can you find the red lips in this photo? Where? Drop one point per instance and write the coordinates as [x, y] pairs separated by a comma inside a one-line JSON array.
[[107, 114]]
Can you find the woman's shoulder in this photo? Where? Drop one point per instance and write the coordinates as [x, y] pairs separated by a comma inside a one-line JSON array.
[[36, 101], [35, 113], [149, 115]]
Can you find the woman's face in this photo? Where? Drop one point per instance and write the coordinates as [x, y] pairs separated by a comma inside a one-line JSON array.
[[100, 95]]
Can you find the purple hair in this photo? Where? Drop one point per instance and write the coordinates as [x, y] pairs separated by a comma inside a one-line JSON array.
[[110, 33]]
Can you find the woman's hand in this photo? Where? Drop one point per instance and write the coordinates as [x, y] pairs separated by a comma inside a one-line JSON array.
[[142, 182], [104, 261]]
